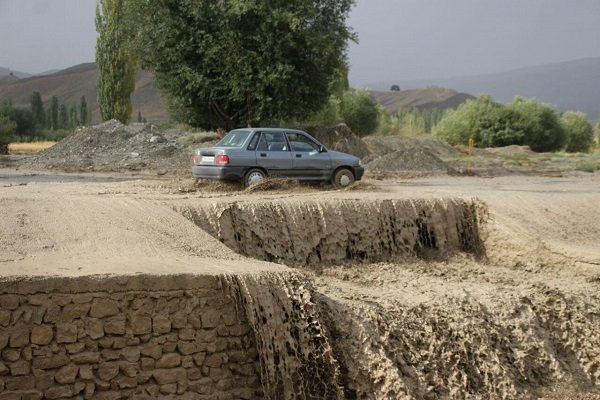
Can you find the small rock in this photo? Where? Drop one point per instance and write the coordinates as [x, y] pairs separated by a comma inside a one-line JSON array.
[[67, 374]]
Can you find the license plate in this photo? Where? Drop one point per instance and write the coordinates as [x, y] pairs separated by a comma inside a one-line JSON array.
[[208, 159]]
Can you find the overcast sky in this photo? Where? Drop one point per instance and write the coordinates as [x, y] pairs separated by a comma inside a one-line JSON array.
[[398, 39]]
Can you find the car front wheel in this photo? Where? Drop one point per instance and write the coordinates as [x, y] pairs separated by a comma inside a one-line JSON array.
[[254, 176], [343, 178]]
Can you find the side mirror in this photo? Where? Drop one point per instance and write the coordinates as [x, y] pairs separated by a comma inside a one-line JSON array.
[[322, 149]]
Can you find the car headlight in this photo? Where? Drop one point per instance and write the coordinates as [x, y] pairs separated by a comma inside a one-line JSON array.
[[360, 164]]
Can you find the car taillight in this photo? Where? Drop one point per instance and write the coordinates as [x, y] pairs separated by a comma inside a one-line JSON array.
[[222, 159], [196, 159]]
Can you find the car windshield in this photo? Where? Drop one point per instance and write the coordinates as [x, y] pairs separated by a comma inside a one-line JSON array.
[[234, 139]]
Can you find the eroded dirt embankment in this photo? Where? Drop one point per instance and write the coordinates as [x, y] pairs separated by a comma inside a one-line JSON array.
[[317, 233], [432, 320]]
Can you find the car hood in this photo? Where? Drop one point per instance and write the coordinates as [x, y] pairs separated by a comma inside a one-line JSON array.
[[339, 156]]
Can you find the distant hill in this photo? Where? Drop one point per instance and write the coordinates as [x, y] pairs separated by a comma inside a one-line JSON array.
[[423, 99], [82, 80], [8, 72], [572, 85]]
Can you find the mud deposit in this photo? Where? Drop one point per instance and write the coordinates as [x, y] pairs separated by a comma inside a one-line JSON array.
[[423, 315], [317, 233]]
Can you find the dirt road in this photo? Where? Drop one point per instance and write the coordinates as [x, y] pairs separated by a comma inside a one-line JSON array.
[[522, 321]]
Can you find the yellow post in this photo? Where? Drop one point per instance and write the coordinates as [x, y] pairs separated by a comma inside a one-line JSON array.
[[469, 159]]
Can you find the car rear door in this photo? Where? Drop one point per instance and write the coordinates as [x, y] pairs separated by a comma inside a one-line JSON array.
[[308, 161], [273, 153]]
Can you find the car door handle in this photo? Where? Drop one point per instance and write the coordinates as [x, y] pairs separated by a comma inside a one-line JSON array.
[[298, 155], [263, 154]]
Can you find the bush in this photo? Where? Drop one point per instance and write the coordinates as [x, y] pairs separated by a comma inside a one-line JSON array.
[[472, 119], [408, 121], [329, 115], [360, 112], [580, 134], [7, 128], [541, 126], [490, 124]]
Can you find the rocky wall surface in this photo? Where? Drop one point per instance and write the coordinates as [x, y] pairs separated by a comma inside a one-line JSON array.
[[244, 336], [333, 232]]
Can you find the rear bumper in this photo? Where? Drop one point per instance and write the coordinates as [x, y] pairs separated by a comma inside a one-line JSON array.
[[218, 172], [359, 172]]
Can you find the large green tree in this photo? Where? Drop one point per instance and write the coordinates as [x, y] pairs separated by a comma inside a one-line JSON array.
[[115, 58], [232, 63]]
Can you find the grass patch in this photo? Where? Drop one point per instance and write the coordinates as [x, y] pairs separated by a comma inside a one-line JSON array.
[[29, 148], [588, 166]]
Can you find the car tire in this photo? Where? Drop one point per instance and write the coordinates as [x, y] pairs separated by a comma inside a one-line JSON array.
[[254, 176], [343, 178]]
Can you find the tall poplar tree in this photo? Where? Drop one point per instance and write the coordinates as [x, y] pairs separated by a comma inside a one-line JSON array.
[[115, 58], [63, 117], [54, 113], [37, 108], [83, 111]]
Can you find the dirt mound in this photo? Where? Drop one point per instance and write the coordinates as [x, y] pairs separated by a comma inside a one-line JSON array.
[[112, 146], [392, 155], [340, 138], [421, 160]]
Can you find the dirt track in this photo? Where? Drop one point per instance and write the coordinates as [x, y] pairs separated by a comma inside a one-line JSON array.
[[541, 273]]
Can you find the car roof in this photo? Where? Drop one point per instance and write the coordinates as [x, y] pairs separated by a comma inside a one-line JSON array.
[[269, 129]]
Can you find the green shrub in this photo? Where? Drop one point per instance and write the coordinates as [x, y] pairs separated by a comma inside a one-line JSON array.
[[7, 128], [360, 112], [500, 127], [587, 167], [580, 133], [540, 123], [329, 115], [408, 121], [469, 120]]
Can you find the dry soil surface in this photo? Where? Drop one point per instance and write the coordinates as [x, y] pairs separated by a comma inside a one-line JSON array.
[[541, 272]]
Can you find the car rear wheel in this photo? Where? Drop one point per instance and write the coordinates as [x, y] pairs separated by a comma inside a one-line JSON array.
[[343, 178], [254, 176]]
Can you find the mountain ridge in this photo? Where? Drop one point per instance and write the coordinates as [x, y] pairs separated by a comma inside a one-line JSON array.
[[82, 80], [568, 85]]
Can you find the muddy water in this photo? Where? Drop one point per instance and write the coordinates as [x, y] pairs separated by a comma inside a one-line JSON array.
[[439, 333], [295, 354]]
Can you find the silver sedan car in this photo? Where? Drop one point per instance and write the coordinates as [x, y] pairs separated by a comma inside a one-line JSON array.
[[252, 154]]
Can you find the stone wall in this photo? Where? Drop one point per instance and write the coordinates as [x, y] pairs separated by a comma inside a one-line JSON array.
[[113, 338]]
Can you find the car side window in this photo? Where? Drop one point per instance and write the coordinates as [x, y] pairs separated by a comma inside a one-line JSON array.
[[254, 141], [272, 141], [301, 143]]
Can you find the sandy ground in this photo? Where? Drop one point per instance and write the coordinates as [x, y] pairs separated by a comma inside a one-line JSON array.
[[541, 237]]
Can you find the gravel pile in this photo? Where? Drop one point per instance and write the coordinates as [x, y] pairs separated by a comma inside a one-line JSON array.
[[341, 138], [392, 155], [112, 146]]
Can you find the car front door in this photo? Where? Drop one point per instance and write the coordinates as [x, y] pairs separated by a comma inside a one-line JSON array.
[[273, 153], [307, 159]]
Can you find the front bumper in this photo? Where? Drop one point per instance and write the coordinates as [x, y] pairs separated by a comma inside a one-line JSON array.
[[359, 172], [221, 172]]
